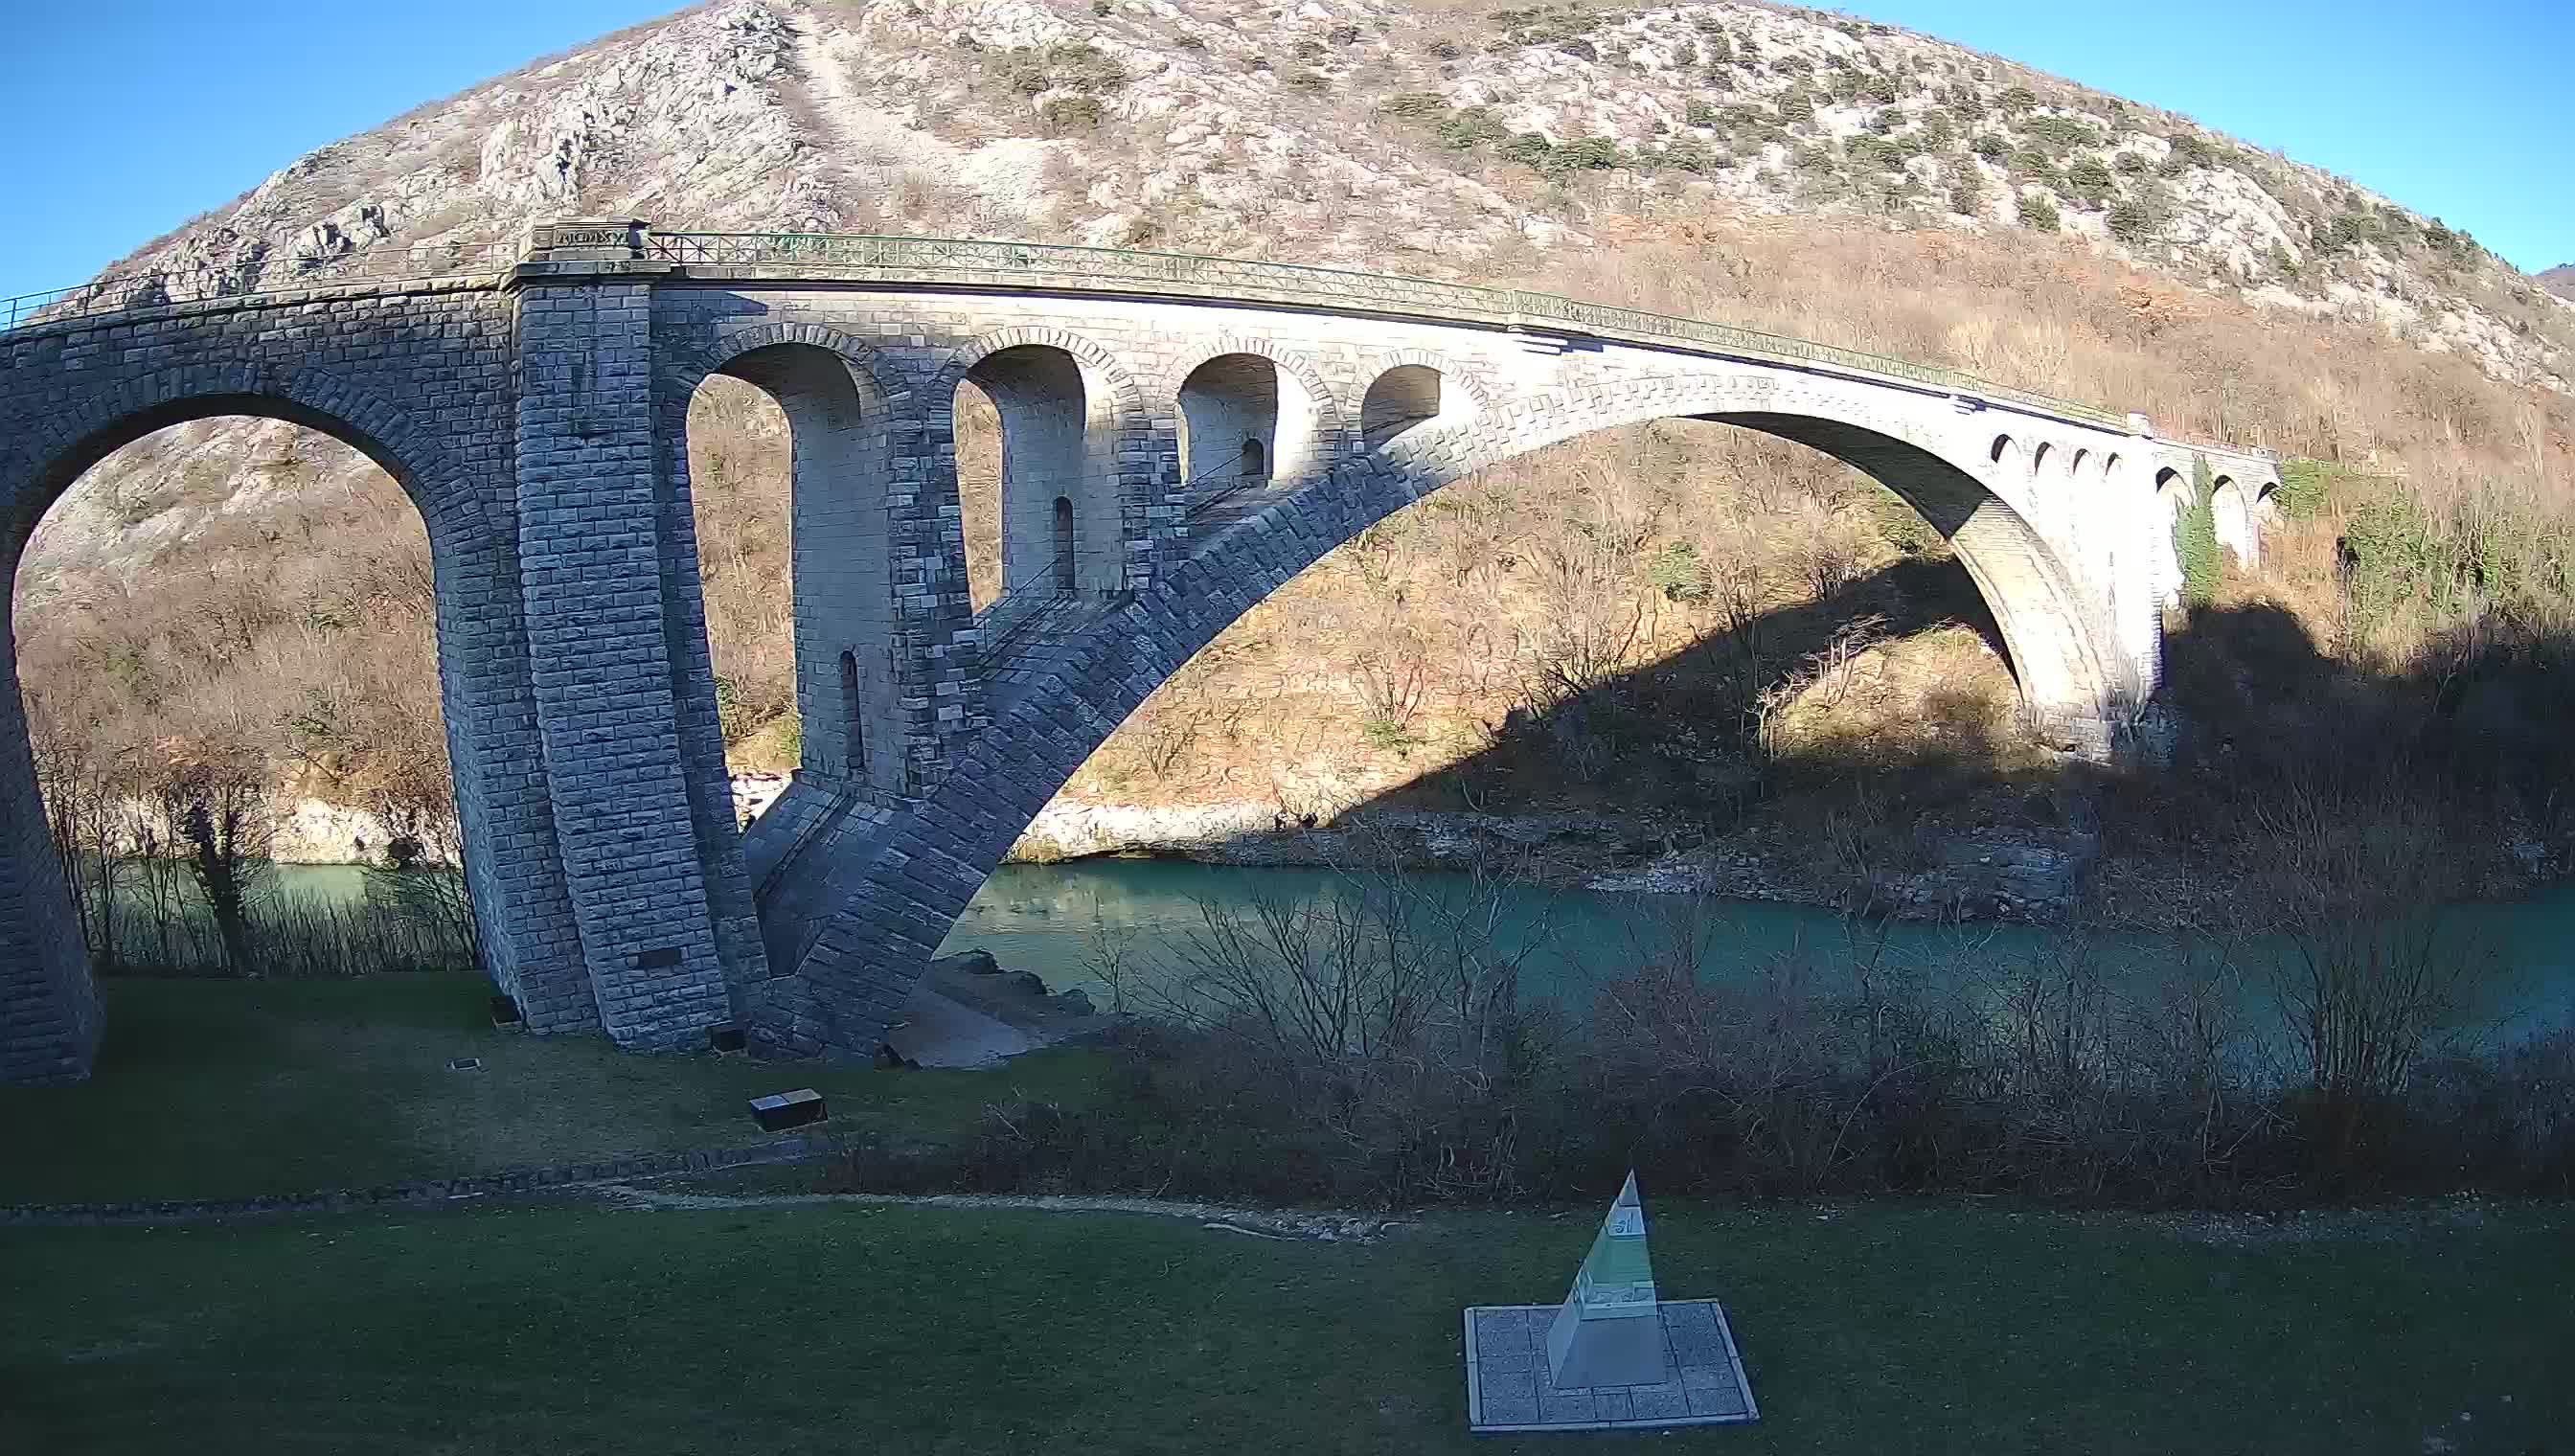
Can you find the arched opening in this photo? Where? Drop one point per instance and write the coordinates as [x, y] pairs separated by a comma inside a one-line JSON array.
[[2038, 458], [853, 713], [788, 469], [2233, 517], [230, 635], [2074, 466], [1404, 398], [2001, 452], [2173, 499], [2110, 467], [1620, 596], [1052, 438], [1065, 569], [1243, 419]]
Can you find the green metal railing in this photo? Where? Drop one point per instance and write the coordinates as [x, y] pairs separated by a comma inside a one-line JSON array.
[[984, 262], [1038, 264], [117, 293]]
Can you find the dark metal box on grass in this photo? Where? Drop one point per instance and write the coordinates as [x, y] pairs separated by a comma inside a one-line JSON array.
[[781, 1111]]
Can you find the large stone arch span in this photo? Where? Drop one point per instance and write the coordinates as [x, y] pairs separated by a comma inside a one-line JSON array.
[[497, 765], [931, 858]]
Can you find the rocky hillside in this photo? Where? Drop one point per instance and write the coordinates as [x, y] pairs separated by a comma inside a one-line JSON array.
[[2560, 280], [1430, 138], [1784, 168]]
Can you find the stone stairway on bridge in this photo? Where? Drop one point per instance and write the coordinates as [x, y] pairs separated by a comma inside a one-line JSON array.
[[1040, 643], [803, 858]]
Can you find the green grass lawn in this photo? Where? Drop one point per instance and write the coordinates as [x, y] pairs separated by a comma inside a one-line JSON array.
[[1888, 1328], [223, 1088]]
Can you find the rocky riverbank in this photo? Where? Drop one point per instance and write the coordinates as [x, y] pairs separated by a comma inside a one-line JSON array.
[[2021, 861], [2005, 872]]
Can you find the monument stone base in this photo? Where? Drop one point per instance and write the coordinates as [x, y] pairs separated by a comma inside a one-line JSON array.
[[1509, 1387]]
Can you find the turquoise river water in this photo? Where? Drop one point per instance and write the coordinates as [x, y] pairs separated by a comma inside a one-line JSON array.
[[1055, 920]]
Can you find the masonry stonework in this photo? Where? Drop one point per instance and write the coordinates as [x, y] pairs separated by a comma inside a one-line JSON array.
[[1205, 449]]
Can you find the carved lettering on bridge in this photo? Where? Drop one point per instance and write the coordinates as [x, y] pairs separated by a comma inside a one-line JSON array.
[[589, 237]]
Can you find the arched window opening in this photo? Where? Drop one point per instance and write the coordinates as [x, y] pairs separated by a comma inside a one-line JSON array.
[[1400, 399], [2001, 451], [1064, 549], [1254, 461], [2233, 518], [854, 714], [979, 491], [2074, 466], [2038, 458]]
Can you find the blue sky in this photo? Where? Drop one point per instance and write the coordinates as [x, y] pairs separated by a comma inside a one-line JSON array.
[[127, 116]]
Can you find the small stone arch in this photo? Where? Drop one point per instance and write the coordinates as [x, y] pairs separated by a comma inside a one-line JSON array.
[[1243, 418], [1330, 434], [2232, 514], [2002, 452], [1126, 396], [1119, 436], [850, 513], [878, 382], [2110, 467], [2038, 459], [2074, 466], [1392, 403]]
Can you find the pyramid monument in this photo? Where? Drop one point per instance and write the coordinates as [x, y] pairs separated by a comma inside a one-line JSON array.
[[1613, 1354]]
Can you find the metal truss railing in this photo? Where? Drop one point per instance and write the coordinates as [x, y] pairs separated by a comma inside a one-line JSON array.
[[1031, 264], [258, 276]]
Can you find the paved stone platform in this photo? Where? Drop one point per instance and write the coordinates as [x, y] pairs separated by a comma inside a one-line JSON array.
[[1508, 1387]]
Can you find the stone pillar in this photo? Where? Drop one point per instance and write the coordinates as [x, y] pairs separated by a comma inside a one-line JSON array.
[[49, 1008], [594, 555]]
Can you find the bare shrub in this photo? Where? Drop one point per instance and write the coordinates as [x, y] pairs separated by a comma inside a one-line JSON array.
[[2353, 878], [1386, 1015], [221, 814]]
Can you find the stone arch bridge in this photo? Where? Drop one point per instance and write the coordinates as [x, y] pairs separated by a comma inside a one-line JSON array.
[[1181, 436]]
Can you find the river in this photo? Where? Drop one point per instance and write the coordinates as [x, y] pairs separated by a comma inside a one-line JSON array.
[[1054, 919]]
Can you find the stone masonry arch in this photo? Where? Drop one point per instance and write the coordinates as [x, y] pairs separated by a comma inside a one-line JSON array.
[[1450, 375], [511, 857], [538, 414], [864, 956], [1331, 432], [1127, 450]]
